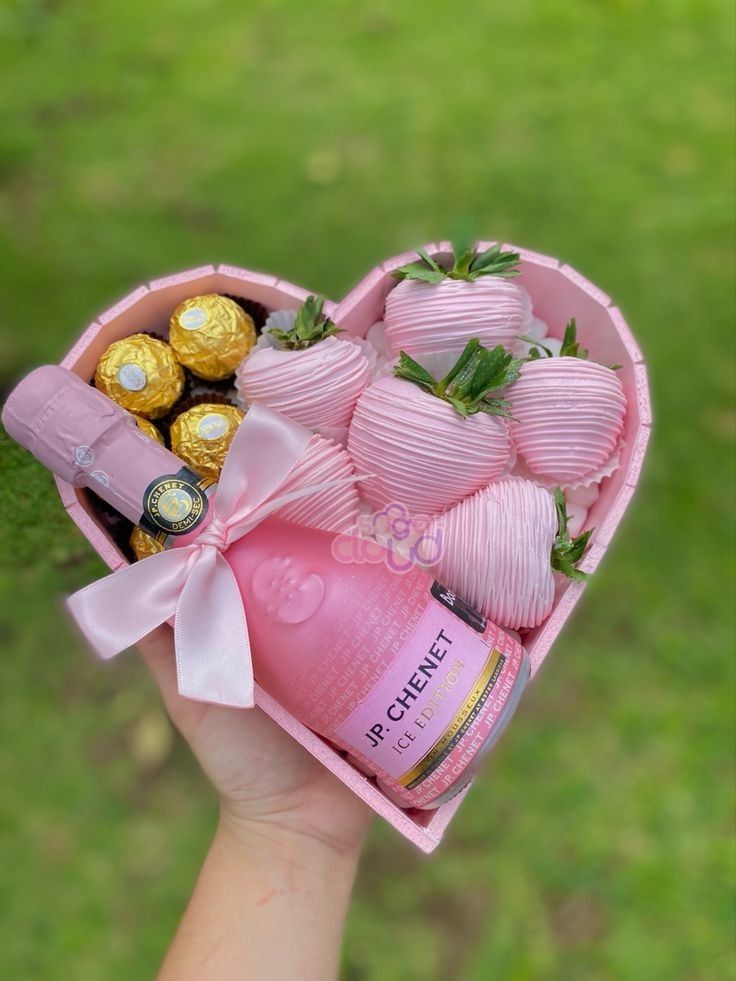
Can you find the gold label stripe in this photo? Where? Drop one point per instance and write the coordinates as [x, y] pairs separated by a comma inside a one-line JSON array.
[[460, 724]]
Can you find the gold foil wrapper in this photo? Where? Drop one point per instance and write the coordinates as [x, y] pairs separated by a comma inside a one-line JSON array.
[[211, 335], [201, 436], [146, 426], [142, 374], [143, 544]]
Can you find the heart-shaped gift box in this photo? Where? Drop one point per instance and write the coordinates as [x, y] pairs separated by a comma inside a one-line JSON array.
[[558, 294]]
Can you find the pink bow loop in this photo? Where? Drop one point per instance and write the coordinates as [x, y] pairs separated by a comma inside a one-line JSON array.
[[194, 584]]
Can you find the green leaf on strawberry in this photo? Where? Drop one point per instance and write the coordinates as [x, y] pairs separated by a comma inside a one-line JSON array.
[[570, 346], [468, 264], [566, 551], [495, 262], [469, 384], [310, 327], [538, 351]]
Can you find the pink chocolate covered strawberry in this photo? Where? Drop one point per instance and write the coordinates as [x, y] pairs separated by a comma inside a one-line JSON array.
[[333, 509], [568, 414], [500, 548], [430, 443], [434, 310], [309, 375]]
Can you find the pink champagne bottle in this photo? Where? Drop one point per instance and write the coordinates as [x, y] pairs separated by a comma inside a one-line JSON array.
[[392, 668]]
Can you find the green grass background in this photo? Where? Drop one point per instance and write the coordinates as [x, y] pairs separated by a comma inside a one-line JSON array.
[[313, 140]]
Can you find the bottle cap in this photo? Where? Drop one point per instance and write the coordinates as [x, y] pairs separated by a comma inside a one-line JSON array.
[[86, 438], [48, 409]]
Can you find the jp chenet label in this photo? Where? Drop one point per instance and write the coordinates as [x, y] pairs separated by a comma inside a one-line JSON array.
[[427, 701], [174, 504], [462, 722]]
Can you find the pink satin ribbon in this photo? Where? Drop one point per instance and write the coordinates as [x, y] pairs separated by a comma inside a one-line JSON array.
[[194, 584]]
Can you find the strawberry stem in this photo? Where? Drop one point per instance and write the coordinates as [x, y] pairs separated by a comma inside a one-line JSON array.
[[468, 264], [468, 385], [570, 345], [566, 551], [310, 327]]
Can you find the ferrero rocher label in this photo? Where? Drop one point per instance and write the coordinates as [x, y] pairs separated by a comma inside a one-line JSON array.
[[201, 436], [143, 544], [142, 374], [211, 335], [147, 427]]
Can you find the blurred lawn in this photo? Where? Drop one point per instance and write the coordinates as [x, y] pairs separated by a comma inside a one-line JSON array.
[[312, 140]]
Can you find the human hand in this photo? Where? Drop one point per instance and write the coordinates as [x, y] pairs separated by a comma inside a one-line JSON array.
[[267, 784], [272, 895]]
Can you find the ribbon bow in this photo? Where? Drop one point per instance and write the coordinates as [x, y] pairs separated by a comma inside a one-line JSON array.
[[194, 583]]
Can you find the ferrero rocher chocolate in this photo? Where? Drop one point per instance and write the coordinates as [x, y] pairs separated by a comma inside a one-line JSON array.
[[146, 426], [143, 544], [211, 335], [201, 436], [141, 374]]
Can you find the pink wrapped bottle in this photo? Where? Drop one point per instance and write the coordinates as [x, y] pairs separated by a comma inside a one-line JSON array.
[[390, 667]]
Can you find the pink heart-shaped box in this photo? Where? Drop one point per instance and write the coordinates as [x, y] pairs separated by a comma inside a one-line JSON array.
[[558, 293]]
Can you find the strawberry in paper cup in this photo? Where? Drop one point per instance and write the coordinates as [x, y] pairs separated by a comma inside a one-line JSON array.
[[429, 443], [568, 414], [310, 375], [434, 310], [501, 548]]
